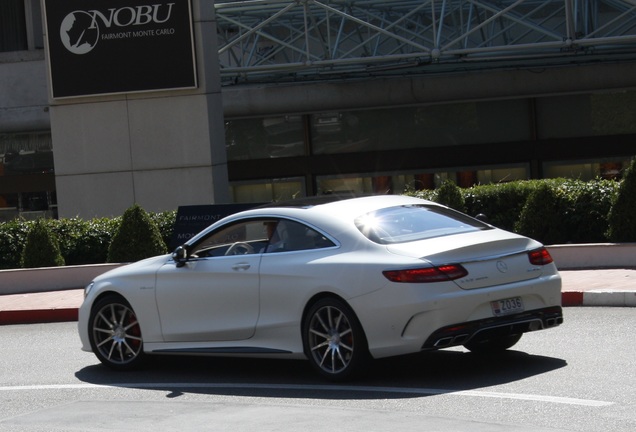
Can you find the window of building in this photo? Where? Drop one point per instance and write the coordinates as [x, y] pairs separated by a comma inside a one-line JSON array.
[[336, 132], [26, 153], [586, 115], [263, 138], [400, 182], [268, 190], [419, 127], [613, 113], [345, 185], [503, 175], [27, 182], [586, 170], [13, 28], [389, 151]]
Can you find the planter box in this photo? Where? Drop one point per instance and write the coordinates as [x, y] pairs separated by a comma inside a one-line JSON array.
[[46, 279], [594, 255]]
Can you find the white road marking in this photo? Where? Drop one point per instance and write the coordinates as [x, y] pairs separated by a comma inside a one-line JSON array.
[[368, 389]]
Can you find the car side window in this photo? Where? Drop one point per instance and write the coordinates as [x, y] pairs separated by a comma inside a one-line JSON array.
[[241, 238], [288, 235]]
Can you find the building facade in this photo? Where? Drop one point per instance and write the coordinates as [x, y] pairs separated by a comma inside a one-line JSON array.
[[368, 96]]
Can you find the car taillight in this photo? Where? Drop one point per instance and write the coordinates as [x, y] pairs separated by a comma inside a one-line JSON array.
[[426, 274], [540, 257]]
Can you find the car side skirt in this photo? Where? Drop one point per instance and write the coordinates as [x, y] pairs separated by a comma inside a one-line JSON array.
[[221, 351]]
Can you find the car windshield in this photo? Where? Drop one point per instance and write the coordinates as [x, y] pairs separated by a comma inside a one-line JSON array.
[[415, 222]]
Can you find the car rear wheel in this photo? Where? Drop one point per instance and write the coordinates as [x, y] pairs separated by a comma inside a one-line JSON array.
[[115, 334], [494, 344], [334, 341]]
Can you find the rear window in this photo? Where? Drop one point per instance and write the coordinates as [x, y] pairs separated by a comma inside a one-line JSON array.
[[415, 222]]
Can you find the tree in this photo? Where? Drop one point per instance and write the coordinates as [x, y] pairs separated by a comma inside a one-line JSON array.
[[542, 218], [42, 248], [136, 238], [622, 215]]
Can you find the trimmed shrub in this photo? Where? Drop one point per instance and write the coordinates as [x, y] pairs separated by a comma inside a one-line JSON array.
[[85, 242], [136, 238], [41, 248], [165, 222], [622, 216], [586, 208], [542, 216], [450, 195], [12, 238], [502, 203]]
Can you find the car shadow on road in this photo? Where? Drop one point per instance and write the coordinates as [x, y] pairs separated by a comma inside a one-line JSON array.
[[414, 375]]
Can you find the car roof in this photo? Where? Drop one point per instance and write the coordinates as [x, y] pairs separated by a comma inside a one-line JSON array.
[[335, 214], [357, 206], [330, 205]]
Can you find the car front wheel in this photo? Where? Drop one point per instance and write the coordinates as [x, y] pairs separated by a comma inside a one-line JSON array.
[[334, 341], [115, 334]]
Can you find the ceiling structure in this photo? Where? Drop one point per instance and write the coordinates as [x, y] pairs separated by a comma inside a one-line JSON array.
[[279, 40]]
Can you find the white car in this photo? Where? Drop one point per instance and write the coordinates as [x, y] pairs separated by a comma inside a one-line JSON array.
[[337, 283]]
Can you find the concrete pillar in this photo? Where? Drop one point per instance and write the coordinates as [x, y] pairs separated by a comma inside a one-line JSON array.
[[158, 149]]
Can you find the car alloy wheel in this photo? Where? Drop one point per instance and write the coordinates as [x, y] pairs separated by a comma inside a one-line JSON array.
[[334, 340], [115, 334]]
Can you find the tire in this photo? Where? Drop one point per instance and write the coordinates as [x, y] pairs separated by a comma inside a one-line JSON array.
[[115, 333], [334, 341], [493, 345]]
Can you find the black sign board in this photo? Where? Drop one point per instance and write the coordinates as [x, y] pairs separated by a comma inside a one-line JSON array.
[[118, 46], [193, 219]]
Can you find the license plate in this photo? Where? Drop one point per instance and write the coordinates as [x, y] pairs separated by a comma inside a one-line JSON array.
[[507, 306]]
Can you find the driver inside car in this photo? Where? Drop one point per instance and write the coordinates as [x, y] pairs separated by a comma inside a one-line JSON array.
[[276, 234]]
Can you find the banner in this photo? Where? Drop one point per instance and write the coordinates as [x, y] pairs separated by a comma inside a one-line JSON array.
[[101, 47]]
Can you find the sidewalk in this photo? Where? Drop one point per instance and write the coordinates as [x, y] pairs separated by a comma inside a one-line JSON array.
[[608, 287], [603, 287]]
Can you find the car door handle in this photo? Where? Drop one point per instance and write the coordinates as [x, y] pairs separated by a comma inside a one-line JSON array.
[[241, 266]]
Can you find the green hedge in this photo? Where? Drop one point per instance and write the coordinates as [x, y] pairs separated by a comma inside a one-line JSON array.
[[580, 209], [577, 212], [80, 241], [13, 236]]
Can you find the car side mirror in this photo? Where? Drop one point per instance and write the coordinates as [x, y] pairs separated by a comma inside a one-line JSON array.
[[180, 256], [482, 217]]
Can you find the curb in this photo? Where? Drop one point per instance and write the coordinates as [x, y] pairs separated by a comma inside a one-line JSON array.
[[39, 316], [599, 298], [572, 299]]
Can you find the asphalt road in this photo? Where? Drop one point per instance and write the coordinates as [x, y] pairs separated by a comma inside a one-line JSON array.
[[578, 377]]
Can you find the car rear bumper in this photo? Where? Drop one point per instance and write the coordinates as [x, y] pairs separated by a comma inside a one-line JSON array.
[[460, 334]]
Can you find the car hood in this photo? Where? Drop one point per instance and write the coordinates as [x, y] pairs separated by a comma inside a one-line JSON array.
[[491, 257], [148, 265]]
